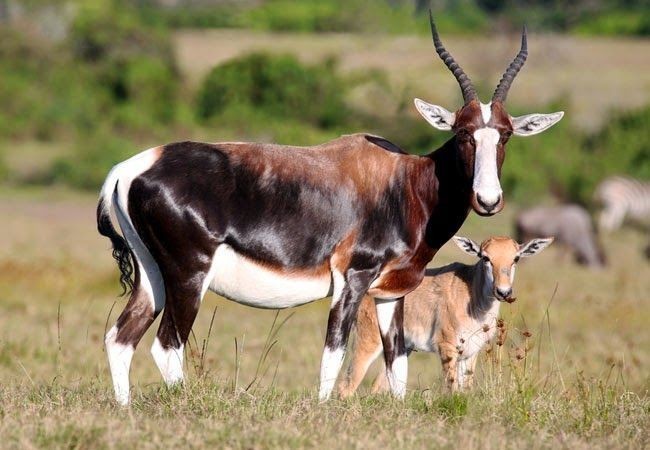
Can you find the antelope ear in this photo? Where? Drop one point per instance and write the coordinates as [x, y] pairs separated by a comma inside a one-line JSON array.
[[467, 245], [436, 115], [531, 124], [534, 247]]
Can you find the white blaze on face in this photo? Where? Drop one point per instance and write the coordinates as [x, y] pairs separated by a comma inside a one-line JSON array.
[[486, 178]]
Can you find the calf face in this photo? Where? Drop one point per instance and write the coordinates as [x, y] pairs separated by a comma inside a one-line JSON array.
[[500, 256]]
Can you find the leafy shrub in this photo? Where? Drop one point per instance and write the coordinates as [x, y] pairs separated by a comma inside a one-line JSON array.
[[91, 160], [617, 23], [278, 86], [131, 63], [189, 16], [287, 15], [621, 147], [4, 170]]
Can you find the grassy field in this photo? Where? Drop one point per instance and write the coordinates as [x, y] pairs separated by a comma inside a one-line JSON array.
[[582, 382]]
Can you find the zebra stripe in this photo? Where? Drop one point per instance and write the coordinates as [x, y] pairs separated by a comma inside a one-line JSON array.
[[622, 197]]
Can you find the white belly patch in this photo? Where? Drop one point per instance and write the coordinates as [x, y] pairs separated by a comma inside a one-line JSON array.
[[242, 280]]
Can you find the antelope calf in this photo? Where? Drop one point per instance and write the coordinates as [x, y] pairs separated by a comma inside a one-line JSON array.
[[452, 313]]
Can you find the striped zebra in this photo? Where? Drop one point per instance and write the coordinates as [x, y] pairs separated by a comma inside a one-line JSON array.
[[621, 198]]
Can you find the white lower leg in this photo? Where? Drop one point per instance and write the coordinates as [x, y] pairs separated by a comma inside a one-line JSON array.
[[329, 369], [119, 361], [169, 362], [397, 376]]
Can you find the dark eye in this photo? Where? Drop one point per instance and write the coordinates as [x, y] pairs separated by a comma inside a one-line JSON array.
[[485, 258], [516, 259], [465, 136], [505, 136]]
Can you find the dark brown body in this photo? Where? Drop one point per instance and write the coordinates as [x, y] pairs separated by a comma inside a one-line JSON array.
[[356, 209]]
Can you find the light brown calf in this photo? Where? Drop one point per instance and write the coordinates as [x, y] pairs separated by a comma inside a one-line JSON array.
[[452, 313]]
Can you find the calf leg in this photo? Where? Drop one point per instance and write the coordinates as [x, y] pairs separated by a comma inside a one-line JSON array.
[[465, 372], [381, 381], [366, 349], [348, 292], [390, 315], [449, 360]]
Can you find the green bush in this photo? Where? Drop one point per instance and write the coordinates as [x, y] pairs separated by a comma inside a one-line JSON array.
[[189, 16], [277, 86], [133, 64], [111, 70], [4, 170], [611, 17], [617, 23], [91, 160], [287, 15], [621, 147]]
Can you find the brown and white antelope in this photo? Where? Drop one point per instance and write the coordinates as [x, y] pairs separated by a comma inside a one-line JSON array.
[[453, 312], [274, 226]]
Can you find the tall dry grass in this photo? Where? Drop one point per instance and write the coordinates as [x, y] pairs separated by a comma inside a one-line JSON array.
[[572, 370]]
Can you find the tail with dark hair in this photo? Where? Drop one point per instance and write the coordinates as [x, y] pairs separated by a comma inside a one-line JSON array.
[[121, 250]]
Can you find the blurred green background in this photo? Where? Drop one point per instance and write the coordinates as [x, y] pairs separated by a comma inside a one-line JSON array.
[[84, 84]]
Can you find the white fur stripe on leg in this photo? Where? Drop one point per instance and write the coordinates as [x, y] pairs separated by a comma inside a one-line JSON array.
[[119, 361], [385, 311], [169, 361], [329, 370], [332, 359], [398, 375]]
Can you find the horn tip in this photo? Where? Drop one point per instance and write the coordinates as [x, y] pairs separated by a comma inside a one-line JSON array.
[[431, 22]]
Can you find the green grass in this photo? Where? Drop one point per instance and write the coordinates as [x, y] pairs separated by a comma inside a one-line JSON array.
[[583, 381]]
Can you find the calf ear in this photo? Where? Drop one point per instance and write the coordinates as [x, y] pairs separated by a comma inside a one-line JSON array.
[[531, 124], [534, 247], [436, 115], [467, 245]]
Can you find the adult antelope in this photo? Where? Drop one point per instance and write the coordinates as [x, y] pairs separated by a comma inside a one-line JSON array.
[[275, 226]]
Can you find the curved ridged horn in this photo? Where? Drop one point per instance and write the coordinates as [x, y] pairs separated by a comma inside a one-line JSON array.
[[501, 92], [469, 93]]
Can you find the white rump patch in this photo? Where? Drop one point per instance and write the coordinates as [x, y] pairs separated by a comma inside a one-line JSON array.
[[244, 281], [119, 361], [330, 367], [169, 361], [486, 177], [150, 277]]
